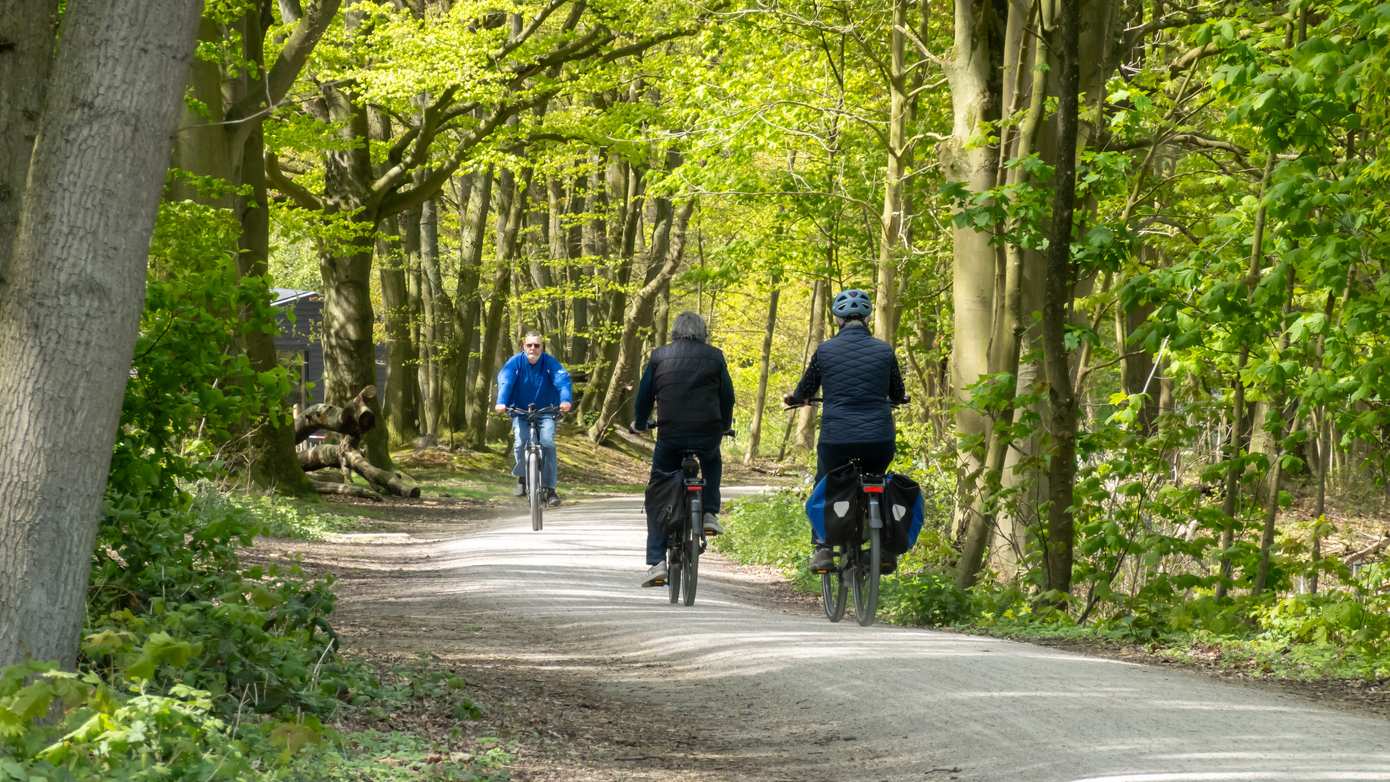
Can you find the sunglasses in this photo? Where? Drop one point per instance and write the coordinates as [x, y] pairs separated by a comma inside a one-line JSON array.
[[532, 345]]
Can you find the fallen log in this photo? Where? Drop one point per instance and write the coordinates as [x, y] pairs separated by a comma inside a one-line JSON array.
[[346, 489], [346, 457], [353, 419]]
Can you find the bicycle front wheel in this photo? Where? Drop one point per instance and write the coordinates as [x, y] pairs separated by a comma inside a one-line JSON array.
[[533, 487], [833, 591], [865, 580]]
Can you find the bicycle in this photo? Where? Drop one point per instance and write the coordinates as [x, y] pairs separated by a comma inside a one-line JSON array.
[[859, 560], [535, 457], [687, 542]]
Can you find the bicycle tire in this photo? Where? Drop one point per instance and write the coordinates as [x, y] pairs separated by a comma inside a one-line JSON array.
[[833, 592], [533, 488], [865, 581], [691, 572], [673, 573]]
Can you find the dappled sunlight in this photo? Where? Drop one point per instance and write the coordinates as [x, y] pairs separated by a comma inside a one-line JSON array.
[[791, 678]]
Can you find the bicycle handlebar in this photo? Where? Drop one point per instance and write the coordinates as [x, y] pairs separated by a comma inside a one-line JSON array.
[[530, 411], [788, 405]]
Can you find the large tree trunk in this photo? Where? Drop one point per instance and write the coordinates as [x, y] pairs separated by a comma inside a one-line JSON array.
[[273, 462], [71, 299], [756, 427], [971, 75], [349, 352], [27, 33]]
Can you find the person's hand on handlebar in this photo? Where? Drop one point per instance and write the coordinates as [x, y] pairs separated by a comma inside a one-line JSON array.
[[790, 400], [501, 409], [565, 407]]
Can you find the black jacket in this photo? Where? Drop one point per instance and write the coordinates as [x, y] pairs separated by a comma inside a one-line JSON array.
[[689, 383], [860, 376]]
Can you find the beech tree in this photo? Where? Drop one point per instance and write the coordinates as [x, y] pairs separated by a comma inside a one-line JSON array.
[[72, 290]]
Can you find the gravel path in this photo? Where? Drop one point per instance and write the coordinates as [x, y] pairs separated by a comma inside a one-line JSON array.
[[616, 684]]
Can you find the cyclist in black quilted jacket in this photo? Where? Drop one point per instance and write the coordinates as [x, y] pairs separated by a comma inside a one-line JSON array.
[[688, 383], [860, 381]]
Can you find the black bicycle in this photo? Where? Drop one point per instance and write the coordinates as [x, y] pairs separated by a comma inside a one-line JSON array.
[[534, 457], [686, 542], [858, 561]]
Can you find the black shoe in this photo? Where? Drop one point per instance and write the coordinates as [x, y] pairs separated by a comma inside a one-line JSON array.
[[519, 490], [822, 560], [552, 500], [888, 564]]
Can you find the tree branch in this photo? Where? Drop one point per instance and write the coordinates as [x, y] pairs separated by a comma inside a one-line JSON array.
[[265, 94], [296, 192]]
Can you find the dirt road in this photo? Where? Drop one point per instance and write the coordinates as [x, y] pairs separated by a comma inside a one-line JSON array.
[[610, 682]]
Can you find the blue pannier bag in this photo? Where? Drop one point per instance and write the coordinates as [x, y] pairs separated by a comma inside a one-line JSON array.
[[903, 510], [835, 505]]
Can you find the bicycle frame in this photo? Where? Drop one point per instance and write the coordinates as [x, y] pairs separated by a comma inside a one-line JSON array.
[[535, 457]]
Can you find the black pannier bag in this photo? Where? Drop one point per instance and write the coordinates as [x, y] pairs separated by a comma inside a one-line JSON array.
[[835, 506], [902, 514], [665, 495]]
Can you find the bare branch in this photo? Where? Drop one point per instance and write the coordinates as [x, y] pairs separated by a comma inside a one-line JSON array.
[[295, 191]]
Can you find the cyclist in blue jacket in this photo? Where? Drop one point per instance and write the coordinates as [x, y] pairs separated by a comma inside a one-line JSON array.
[[534, 378], [860, 381]]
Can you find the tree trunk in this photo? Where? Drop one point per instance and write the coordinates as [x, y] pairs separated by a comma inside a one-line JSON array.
[[27, 35], [971, 74], [1274, 423], [467, 303], [756, 427], [434, 311], [667, 243], [71, 300], [511, 202], [815, 333], [273, 462], [1061, 536], [1239, 428], [349, 352], [891, 223], [402, 375]]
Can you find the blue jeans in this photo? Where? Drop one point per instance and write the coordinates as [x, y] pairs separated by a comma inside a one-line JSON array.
[[667, 458], [521, 437]]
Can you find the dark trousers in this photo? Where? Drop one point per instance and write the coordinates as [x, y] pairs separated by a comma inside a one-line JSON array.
[[667, 458], [873, 457]]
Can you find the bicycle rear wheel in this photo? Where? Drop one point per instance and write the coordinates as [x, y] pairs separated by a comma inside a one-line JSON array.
[[865, 580], [674, 566], [533, 487]]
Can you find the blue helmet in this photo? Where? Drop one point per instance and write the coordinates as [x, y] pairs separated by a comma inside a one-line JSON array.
[[852, 303]]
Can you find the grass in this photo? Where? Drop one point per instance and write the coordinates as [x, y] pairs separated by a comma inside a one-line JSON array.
[[1307, 644]]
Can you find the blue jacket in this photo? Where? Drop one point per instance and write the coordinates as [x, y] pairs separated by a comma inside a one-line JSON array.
[[523, 384], [859, 376]]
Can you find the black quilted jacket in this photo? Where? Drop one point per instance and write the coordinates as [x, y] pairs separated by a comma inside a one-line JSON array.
[[859, 376]]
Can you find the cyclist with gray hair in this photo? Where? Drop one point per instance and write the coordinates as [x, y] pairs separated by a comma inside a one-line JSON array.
[[688, 382], [534, 379]]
